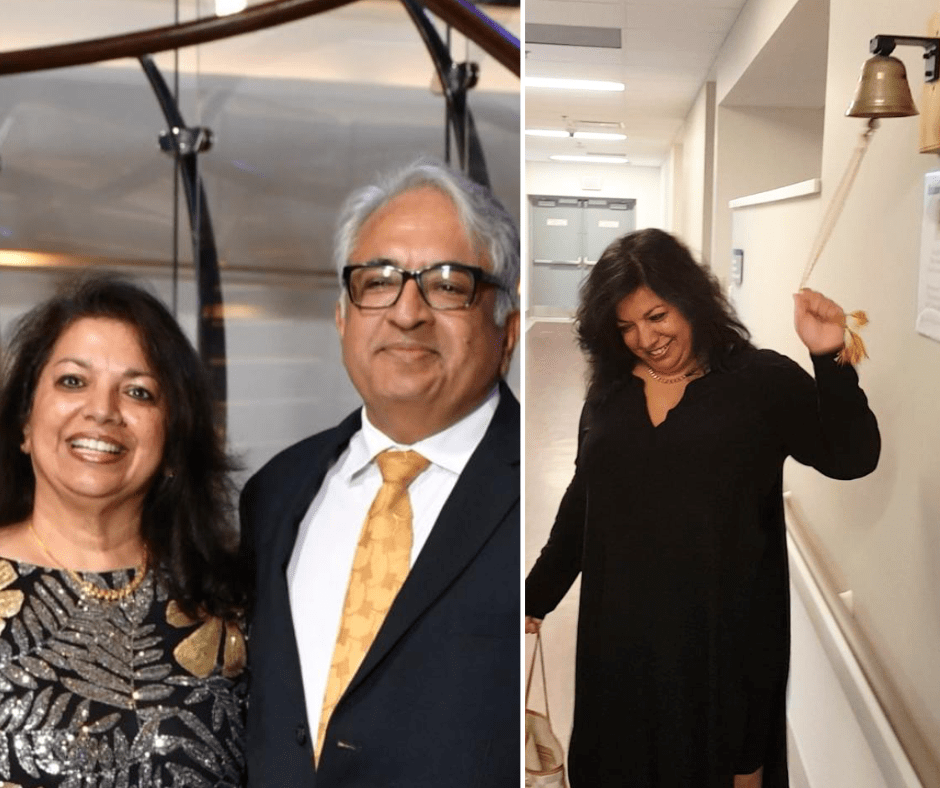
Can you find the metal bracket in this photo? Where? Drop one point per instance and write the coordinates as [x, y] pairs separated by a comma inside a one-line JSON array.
[[456, 79], [885, 44], [186, 140], [184, 143], [464, 76]]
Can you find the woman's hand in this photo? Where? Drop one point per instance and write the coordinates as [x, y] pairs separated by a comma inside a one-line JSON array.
[[532, 625], [819, 322]]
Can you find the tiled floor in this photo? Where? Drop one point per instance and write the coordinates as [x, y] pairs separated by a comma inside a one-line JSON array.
[[554, 390]]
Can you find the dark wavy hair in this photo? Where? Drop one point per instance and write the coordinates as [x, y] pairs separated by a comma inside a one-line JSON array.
[[661, 262], [187, 524]]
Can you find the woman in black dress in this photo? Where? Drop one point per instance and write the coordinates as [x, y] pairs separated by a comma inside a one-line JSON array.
[[674, 519], [122, 662]]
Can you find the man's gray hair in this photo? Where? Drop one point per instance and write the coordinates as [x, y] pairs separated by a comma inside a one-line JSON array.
[[488, 225]]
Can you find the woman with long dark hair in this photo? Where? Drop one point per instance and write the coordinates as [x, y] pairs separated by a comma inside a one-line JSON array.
[[674, 520], [121, 654]]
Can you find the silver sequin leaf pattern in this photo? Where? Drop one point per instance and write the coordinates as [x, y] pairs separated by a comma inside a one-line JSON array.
[[205, 735], [152, 673], [5, 712], [38, 668], [19, 634], [225, 706], [85, 652], [38, 712], [57, 711], [184, 777]]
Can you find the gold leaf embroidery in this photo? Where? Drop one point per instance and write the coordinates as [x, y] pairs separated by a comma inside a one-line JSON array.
[[7, 573], [199, 652], [236, 656], [11, 602]]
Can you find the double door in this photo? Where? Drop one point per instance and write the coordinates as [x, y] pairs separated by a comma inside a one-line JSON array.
[[567, 236]]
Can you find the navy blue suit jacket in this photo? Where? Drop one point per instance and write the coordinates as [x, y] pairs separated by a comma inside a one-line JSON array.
[[436, 700]]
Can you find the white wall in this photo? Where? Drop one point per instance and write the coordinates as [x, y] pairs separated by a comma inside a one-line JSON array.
[[641, 183], [757, 149], [887, 541], [675, 195], [693, 178], [756, 23], [881, 533]]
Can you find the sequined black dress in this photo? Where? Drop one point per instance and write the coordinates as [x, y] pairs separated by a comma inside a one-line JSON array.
[[128, 694]]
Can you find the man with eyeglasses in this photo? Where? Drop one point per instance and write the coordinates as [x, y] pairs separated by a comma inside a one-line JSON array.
[[384, 646]]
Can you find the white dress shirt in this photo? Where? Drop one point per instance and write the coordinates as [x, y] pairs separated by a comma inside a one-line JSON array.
[[318, 571]]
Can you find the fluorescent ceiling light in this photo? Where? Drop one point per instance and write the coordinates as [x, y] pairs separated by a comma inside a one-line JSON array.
[[572, 84], [593, 159], [598, 135], [226, 7], [578, 135]]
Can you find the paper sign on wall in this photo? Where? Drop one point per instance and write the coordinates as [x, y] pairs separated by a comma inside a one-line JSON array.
[[556, 222], [928, 286], [607, 223]]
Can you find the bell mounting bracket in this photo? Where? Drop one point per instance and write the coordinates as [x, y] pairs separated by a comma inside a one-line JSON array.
[[884, 45]]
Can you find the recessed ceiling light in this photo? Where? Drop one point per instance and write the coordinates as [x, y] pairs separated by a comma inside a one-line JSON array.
[[593, 159], [572, 84], [599, 135], [547, 133]]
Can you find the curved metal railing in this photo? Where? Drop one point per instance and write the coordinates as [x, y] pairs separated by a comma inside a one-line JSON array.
[[474, 24]]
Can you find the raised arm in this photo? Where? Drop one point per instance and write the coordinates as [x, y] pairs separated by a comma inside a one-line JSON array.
[[823, 422]]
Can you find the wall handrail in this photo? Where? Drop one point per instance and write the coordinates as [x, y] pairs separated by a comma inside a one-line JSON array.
[[923, 760], [460, 14]]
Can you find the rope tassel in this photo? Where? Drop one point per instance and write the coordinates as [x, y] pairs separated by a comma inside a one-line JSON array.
[[853, 350]]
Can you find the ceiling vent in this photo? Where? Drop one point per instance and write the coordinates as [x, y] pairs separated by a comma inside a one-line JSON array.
[[573, 36]]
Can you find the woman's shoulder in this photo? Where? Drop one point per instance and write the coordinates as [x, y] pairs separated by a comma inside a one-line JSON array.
[[765, 373], [761, 361]]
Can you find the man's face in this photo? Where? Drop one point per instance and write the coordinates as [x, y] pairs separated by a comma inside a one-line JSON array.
[[418, 369]]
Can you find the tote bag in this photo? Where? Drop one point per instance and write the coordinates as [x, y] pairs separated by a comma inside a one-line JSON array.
[[544, 756]]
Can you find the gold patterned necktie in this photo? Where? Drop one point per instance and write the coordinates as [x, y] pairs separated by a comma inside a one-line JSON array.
[[380, 566]]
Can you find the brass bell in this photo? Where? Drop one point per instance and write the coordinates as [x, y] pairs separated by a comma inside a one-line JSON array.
[[882, 90]]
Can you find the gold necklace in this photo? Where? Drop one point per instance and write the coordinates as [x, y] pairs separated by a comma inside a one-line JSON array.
[[89, 589], [673, 379]]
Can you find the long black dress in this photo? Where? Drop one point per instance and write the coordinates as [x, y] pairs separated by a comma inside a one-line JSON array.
[[678, 533]]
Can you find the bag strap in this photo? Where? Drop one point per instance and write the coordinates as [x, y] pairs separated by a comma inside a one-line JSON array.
[[531, 672]]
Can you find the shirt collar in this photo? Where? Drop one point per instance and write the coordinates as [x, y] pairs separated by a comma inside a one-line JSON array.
[[449, 449]]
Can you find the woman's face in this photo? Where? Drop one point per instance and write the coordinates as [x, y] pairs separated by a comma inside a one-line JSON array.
[[656, 332], [96, 430]]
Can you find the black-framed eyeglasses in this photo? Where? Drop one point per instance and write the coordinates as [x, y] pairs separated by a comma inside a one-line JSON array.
[[378, 285]]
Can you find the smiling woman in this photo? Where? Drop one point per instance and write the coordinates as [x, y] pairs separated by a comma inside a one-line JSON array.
[[118, 562], [95, 432], [674, 521]]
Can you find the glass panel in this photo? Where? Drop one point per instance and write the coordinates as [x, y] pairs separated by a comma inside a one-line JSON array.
[[301, 114], [35, 23]]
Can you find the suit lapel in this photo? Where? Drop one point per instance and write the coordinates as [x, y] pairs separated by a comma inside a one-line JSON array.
[[319, 463], [486, 490]]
